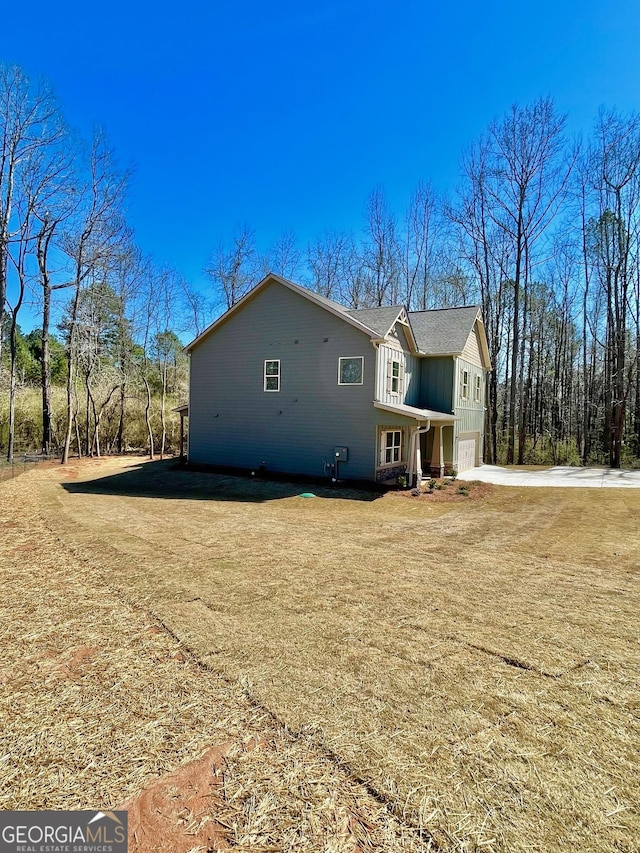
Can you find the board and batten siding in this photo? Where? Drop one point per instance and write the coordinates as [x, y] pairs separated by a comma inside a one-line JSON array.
[[410, 385], [436, 383], [398, 333], [471, 352], [234, 422]]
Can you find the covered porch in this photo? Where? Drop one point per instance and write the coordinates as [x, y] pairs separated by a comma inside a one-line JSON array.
[[430, 444], [183, 411]]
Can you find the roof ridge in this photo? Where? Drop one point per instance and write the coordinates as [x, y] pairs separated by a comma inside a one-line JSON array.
[[452, 308], [378, 307]]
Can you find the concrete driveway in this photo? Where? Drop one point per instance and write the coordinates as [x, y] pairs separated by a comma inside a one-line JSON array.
[[561, 475]]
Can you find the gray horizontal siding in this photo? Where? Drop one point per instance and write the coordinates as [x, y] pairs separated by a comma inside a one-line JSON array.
[[233, 421], [471, 413]]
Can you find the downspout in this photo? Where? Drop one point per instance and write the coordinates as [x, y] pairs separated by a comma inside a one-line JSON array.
[[454, 410], [413, 452], [419, 432]]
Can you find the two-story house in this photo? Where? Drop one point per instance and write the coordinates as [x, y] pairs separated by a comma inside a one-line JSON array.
[[288, 381]]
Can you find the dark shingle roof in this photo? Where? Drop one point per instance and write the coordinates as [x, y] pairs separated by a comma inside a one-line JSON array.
[[444, 331], [378, 319]]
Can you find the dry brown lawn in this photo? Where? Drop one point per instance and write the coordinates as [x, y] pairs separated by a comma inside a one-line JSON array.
[[446, 676]]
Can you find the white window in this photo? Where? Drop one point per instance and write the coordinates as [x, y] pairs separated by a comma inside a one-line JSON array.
[[477, 391], [390, 446], [272, 374], [351, 370], [464, 384], [394, 376]]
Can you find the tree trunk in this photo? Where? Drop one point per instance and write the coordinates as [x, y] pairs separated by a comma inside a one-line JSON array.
[[515, 343], [12, 390], [147, 418], [45, 374], [162, 411], [120, 437], [70, 377], [43, 241]]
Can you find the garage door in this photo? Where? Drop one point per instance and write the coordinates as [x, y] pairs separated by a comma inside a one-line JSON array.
[[466, 454]]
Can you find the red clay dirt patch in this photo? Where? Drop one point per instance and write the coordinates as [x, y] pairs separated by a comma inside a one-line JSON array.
[[174, 813], [44, 665], [28, 548], [73, 668]]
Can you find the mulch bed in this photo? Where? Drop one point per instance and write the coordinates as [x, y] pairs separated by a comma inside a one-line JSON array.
[[446, 490]]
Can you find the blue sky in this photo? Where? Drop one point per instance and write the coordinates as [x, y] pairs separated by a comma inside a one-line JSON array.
[[285, 116]]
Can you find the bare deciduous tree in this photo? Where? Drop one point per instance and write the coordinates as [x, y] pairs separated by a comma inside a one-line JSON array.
[[234, 266], [29, 123], [381, 253], [614, 166], [525, 181], [420, 240], [97, 233], [285, 257], [326, 258]]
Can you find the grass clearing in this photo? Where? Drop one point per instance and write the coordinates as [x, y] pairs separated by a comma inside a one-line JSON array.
[[471, 668]]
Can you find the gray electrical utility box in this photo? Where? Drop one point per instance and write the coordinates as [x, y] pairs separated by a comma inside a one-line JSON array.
[[341, 454]]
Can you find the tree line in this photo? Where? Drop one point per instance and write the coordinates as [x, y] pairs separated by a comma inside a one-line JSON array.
[[67, 253], [542, 232]]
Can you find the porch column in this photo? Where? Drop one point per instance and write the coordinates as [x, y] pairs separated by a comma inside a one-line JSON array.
[[182, 454], [437, 455]]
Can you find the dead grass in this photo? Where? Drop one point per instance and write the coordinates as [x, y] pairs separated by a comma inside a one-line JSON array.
[[470, 667]]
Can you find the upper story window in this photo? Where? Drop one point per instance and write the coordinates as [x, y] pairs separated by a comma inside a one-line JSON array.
[[394, 376], [477, 390], [272, 374], [351, 370], [464, 384]]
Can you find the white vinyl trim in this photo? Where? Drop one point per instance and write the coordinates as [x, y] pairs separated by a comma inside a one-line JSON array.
[[359, 358], [271, 373]]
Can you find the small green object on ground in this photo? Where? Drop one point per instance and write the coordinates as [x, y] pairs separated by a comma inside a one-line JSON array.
[[307, 495]]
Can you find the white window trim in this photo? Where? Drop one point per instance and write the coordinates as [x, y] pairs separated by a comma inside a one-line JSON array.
[[271, 375], [383, 448], [397, 379], [477, 390], [350, 358], [464, 386]]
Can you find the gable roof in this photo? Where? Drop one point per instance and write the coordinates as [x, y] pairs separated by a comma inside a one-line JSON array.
[[380, 319], [328, 304], [444, 331], [384, 319]]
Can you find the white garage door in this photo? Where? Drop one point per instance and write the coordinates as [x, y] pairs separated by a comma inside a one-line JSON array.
[[466, 454]]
